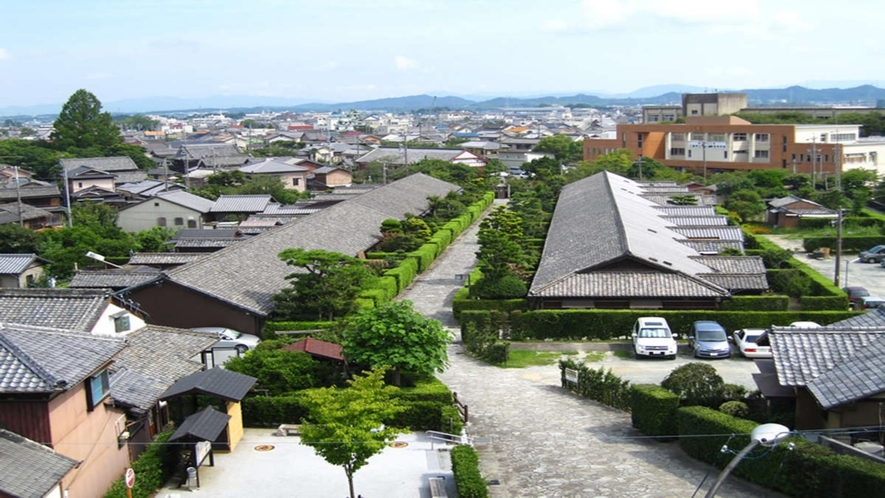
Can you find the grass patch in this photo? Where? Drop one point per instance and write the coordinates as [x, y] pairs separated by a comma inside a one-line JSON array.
[[594, 356], [521, 358], [622, 353]]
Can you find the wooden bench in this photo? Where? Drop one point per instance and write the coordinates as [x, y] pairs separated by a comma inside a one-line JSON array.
[[437, 487], [289, 430]]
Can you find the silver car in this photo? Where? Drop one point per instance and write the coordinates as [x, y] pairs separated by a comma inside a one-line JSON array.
[[230, 338], [708, 339]]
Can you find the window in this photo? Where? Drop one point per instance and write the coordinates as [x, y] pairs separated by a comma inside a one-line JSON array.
[[740, 152], [843, 137], [677, 151], [669, 117], [677, 137], [653, 119], [296, 181], [179, 221], [694, 112], [762, 137], [161, 222], [639, 140], [121, 323], [698, 136], [717, 137], [79, 184], [192, 223], [761, 154], [688, 152], [156, 204], [97, 389]]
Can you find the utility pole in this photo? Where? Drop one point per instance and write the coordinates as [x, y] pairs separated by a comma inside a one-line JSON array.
[[18, 197], [67, 198], [838, 247]]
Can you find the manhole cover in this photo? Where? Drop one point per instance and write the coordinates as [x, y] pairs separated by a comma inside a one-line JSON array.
[[264, 447], [399, 444]]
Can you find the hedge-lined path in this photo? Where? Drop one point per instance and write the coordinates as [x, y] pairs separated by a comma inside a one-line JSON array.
[[541, 441]]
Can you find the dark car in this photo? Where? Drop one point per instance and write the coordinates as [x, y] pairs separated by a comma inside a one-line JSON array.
[[854, 294], [874, 255], [708, 339]]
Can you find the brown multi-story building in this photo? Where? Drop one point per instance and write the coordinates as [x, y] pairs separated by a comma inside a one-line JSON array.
[[712, 144]]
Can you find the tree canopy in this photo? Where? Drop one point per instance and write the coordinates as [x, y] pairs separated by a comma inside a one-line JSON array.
[[82, 125], [324, 286], [563, 147], [396, 336]]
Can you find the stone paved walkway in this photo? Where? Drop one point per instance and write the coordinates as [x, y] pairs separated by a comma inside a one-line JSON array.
[[541, 441]]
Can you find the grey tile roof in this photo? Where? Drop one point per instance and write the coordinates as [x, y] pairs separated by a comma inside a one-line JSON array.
[[201, 234], [84, 172], [205, 425], [199, 151], [663, 199], [394, 155], [697, 220], [872, 318], [188, 200], [130, 176], [30, 469], [14, 264], [109, 164], [225, 384], [710, 233], [112, 279], [736, 282], [786, 201], [629, 284], [668, 210], [154, 360], [241, 204], [712, 246], [9, 213], [836, 363], [205, 243], [163, 258], [9, 194], [45, 360], [76, 309], [734, 264], [348, 227], [604, 220], [271, 166]]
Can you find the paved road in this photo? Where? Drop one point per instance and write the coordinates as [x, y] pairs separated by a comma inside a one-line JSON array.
[[541, 441]]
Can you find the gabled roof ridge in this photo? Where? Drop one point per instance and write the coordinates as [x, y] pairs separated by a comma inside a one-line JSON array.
[[26, 360], [624, 241]]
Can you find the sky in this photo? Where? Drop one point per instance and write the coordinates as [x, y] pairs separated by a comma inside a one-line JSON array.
[[348, 50]]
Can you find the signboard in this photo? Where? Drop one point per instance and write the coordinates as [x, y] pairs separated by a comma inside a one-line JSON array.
[[130, 478], [202, 449], [571, 375], [698, 144]]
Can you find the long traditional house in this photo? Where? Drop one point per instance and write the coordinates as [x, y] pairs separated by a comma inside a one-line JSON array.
[[611, 246], [233, 287]]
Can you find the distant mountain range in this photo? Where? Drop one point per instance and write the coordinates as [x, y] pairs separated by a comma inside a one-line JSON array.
[[654, 95]]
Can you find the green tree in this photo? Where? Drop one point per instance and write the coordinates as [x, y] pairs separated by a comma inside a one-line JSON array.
[[858, 185], [505, 221], [396, 336], [731, 182], [416, 227], [17, 239], [325, 284], [154, 239], [695, 384], [280, 371], [544, 168], [347, 426], [746, 203], [138, 122], [82, 125], [563, 147], [34, 156]]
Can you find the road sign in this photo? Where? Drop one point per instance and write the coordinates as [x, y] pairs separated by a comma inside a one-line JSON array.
[[130, 478]]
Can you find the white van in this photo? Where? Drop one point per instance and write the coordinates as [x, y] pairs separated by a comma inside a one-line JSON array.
[[652, 337]]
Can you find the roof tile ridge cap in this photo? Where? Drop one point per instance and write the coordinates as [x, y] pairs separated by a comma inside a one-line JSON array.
[[26, 359], [622, 231]]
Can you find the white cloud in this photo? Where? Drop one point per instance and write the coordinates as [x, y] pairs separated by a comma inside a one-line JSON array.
[[4, 54], [404, 63]]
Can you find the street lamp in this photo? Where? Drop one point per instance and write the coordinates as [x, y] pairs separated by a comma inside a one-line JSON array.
[[767, 435]]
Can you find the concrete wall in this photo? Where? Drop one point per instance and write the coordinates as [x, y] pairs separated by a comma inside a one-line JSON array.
[[105, 325], [78, 185], [89, 437], [144, 216]]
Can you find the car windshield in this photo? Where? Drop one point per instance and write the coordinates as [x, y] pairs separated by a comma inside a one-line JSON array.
[[230, 334], [711, 335], [654, 333], [751, 338]]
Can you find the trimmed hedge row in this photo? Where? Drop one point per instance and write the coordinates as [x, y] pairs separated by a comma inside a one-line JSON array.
[[599, 385], [849, 244], [756, 303], [281, 326], [153, 468], [809, 470], [465, 469], [597, 324], [653, 409], [847, 221], [404, 274]]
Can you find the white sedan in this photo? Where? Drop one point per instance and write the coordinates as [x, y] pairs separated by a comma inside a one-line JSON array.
[[745, 340]]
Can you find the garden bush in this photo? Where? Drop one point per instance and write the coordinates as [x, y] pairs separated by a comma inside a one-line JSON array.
[[849, 244], [424, 255], [153, 468], [465, 469], [695, 384], [653, 409], [756, 303], [737, 409], [598, 384]]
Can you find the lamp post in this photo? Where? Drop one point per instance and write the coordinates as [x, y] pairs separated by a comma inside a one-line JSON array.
[[768, 435]]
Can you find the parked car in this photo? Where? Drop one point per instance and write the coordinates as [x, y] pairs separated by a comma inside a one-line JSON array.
[[708, 339], [855, 293], [745, 342], [652, 337], [869, 302], [230, 338], [804, 325], [874, 255]]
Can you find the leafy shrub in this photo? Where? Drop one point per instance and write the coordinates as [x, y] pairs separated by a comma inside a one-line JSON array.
[[733, 392], [756, 303], [737, 409], [465, 468], [599, 385], [695, 384], [153, 468], [653, 409], [281, 371], [508, 287]]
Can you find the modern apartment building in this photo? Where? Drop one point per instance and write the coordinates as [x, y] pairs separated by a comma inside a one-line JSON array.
[[712, 144]]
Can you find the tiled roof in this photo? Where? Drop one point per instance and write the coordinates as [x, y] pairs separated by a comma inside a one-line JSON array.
[[130, 176], [199, 151], [316, 347], [241, 204], [734, 264], [697, 220], [628, 284], [710, 233], [7, 193], [9, 213], [394, 155], [109, 164], [668, 210], [205, 243], [155, 359], [30, 469], [663, 199], [163, 258], [712, 246], [76, 309], [14, 264], [188, 200], [43, 360], [205, 425], [837, 364], [112, 279], [786, 201], [348, 227], [270, 166], [736, 282], [225, 384]]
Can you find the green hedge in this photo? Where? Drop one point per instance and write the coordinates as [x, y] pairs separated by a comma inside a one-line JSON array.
[[443, 236], [271, 411], [849, 244], [599, 385], [810, 470], [653, 409], [364, 303], [381, 255], [821, 303], [756, 303], [377, 296], [465, 469], [152, 469], [847, 221], [460, 304], [424, 255], [281, 326], [404, 274]]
